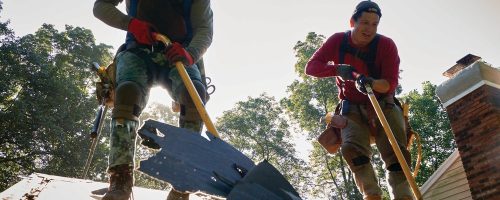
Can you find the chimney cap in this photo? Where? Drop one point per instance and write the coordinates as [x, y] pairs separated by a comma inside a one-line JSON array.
[[461, 64]]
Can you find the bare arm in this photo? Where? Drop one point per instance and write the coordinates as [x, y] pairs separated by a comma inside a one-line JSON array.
[[381, 85]]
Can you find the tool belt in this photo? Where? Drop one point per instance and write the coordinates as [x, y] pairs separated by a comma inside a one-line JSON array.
[[105, 86], [331, 138]]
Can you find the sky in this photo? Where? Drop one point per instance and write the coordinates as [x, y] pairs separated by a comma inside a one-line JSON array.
[[252, 49]]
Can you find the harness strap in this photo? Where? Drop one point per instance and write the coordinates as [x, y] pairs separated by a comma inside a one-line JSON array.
[[132, 12], [187, 18], [186, 7], [367, 57], [186, 14], [133, 8]]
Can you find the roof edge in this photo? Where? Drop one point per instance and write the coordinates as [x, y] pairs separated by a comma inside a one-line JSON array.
[[440, 171]]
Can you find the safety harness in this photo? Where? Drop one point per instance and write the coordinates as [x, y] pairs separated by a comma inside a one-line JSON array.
[[367, 57], [330, 138], [180, 12], [185, 13]]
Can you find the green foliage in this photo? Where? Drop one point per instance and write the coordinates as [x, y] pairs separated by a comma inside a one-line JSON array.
[[310, 98], [160, 112], [258, 128], [332, 178], [304, 51], [45, 101], [429, 119]]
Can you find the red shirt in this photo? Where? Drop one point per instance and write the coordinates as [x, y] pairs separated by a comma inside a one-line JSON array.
[[387, 61]]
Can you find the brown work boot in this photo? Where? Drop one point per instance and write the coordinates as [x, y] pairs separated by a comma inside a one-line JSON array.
[[399, 188], [176, 195], [120, 183]]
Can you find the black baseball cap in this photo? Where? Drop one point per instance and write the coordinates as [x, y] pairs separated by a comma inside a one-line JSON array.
[[367, 6]]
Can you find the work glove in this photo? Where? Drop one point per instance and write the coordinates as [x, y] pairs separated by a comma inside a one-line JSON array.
[[361, 81], [177, 53], [345, 72], [142, 31]]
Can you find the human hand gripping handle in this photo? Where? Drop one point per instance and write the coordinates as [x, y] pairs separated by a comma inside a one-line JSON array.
[[362, 81], [345, 72], [176, 52], [190, 87], [142, 31], [378, 85]]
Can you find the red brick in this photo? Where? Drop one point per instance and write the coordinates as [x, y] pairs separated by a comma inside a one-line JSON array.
[[475, 122]]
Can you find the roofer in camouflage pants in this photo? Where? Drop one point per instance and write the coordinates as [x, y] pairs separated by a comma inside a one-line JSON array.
[[188, 24]]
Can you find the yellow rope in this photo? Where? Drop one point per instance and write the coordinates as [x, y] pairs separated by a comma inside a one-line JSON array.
[[414, 137]]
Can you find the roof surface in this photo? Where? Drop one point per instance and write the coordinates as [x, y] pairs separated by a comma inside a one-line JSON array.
[[48, 187]]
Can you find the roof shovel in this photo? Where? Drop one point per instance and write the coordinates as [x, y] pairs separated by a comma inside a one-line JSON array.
[[392, 140]]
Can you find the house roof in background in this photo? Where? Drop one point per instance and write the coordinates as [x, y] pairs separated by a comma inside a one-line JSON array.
[[440, 171]]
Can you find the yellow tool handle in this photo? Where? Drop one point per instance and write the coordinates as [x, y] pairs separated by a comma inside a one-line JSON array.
[[394, 143], [196, 98], [191, 89]]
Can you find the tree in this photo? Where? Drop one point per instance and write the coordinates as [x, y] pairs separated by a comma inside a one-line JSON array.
[[46, 100], [429, 119], [258, 128], [310, 98]]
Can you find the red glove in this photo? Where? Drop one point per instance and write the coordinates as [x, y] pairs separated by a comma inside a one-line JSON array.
[[141, 31], [177, 53]]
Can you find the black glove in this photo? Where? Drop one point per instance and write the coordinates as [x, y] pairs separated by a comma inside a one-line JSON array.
[[345, 72], [361, 81]]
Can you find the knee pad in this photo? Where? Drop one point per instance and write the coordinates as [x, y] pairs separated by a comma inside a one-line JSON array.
[[352, 155], [128, 101], [360, 160], [184, 97], [395, 167]]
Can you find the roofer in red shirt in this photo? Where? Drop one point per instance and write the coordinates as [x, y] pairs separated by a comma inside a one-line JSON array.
[[375, 57]]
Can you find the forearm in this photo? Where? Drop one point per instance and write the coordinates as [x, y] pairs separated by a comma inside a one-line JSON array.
[[321, 62], [390, 64], [381, 85], [109, 14], [319, 69]]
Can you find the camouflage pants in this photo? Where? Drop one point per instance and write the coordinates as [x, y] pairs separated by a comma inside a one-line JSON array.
[[122, 142], [147, 69], [356, 150]]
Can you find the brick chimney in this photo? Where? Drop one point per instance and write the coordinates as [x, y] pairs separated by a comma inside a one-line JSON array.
[[472, 100]]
